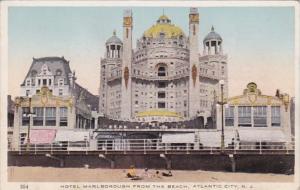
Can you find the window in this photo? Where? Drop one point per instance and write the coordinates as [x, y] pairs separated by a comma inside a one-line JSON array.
[[161, 94], [50, 116], [39, 116], [39, 82], [185, 103], [63, 116], [25, 118], [245, 116], [33, 73], [260, 116], [44, 81], [32, 82], [275, 116], [229, 116], [161, 71], [60, 92], [27, 92], [58, 72], [161, 105], [162, 85], [50, 82], [23, 138], [61, 82], [28, 82]]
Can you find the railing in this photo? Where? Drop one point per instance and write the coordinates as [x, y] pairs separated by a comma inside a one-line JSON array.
[[154, 145]]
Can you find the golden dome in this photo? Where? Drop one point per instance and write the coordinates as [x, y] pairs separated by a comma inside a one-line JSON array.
[[164, 26], [158, 112]]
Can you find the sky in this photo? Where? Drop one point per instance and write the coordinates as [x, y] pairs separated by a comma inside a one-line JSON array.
[[259, 41]]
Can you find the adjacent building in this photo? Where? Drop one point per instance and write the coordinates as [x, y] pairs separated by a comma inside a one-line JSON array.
[[256, 118], [52, 102]]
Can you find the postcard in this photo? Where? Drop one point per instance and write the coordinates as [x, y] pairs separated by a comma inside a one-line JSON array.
[[149, 95]]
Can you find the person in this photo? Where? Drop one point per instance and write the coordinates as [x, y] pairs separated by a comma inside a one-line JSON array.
[[145, 174], [131, 172], [169, 174], [157, 174]]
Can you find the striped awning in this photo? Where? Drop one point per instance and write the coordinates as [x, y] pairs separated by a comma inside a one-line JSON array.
[[42, 136]]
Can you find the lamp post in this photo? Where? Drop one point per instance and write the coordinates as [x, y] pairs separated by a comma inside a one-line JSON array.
[[222, 115]]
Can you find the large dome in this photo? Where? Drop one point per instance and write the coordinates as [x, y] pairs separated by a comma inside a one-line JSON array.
[[163, 26], [212, 35]]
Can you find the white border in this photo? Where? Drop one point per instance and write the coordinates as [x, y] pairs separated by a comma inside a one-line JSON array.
[[4, 74]]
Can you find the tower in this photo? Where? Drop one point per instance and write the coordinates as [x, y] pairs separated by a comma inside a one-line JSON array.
[[126, 66], [111, 60], [213, 52], [194, 62]]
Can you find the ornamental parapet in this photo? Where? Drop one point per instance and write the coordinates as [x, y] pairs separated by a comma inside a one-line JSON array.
[[158, 78], [217, 57], [150, 78], [210, 76]]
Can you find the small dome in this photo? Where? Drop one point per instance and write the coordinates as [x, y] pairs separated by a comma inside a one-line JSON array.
[[212, 35], [163, 26], [114, 39], [163, 18]]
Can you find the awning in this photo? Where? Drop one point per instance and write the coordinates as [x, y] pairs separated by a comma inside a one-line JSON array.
[[178, 138], [42, 136], [213, 138], [72, 136], [262, 135]]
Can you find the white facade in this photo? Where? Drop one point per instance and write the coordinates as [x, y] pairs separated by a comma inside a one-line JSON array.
[[164, 72]]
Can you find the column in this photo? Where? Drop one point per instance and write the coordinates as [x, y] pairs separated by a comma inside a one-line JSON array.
[[57, 116], [16, 130], [44, 116], [216, 47], [269, 115], [96, 123], [236, 116]]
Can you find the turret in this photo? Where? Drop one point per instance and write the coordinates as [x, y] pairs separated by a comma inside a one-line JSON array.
[[212, 43], [113, 47]]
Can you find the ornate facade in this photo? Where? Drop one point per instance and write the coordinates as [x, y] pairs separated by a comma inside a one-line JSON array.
[[255, 117], [164, 75], [52, 101]]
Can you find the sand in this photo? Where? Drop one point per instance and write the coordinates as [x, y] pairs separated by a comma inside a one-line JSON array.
[[49, 174]]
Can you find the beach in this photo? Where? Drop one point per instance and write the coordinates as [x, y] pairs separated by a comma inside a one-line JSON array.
[[51, 174]]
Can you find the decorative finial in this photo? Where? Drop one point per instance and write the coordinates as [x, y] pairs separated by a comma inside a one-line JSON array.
[[212, 28], [114, 32]]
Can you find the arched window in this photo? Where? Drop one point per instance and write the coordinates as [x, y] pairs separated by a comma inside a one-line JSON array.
[[161, 71], [58, 72], [33, 73]]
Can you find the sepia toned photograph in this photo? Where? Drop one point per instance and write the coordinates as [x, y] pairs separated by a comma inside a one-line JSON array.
[[149, 95]]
